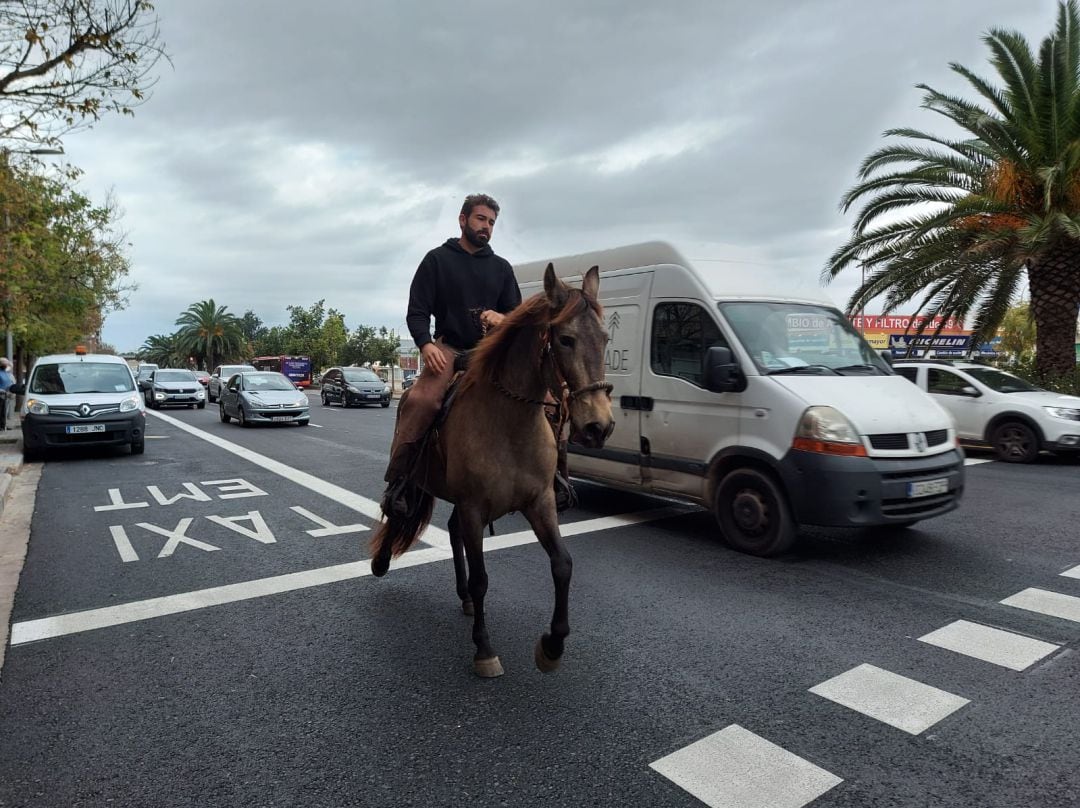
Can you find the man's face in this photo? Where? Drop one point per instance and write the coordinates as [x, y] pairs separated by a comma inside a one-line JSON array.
[[477, 228]]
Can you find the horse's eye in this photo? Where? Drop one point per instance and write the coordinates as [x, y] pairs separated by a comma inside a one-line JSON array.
[[566, 342]]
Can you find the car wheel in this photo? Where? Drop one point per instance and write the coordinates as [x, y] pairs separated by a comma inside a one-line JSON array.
[[210, 396], [344, 401], [137, 448], [241, 418], [155, 405], [753, 513], [1015, 442], [224, 416], [31, 455], [325, 400], [201, 406], [385, 404], [304, 423]]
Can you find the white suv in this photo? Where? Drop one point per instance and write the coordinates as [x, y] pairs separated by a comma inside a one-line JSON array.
[[220, 377], [991, 406]]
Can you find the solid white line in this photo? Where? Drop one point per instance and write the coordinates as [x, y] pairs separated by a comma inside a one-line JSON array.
[[974, 461], [1054, 604], [433, 536], [994, 645], [75, 622], [734, 768], [317, 426], [890, 698]]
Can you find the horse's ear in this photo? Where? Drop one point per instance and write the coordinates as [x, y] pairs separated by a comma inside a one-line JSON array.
[[554, 288], [590, 285]]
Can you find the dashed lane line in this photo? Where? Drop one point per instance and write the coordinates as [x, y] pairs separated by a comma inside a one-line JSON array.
[[1042, 601], [433, 536], [76, 622]]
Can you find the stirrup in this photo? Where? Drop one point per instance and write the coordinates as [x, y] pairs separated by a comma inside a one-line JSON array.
[[565, 495]]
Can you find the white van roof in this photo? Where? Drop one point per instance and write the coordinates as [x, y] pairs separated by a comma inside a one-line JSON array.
[[53, 359], [724, 283]]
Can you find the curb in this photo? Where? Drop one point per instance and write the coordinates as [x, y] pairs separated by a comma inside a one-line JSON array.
[[11, 462]]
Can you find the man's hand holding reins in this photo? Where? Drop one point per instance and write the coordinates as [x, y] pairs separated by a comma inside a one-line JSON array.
[[491, 319]]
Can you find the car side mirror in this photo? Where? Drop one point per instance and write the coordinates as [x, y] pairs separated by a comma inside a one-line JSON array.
[[17, 389], [722, 372], [970, 391], [888, 357], [144, 385]]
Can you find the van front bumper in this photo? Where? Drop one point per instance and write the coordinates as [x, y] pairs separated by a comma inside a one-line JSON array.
[[836, 491], [50, 431]]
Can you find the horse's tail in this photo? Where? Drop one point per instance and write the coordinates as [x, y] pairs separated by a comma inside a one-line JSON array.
[[396, 534]]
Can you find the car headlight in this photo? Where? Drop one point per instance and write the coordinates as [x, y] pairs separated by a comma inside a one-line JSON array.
[[199, 394], [386, 388], [1067, 413], [352, 389], [130, 403], [825, 430], [301, 403], [159, 396], [37, 407]]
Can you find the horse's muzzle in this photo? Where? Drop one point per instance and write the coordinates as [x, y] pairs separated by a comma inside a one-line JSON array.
[[594, 434]]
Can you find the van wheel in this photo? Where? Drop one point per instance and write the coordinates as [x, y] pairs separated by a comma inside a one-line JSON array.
[[137, 448], [1015, 442], [753, 513]]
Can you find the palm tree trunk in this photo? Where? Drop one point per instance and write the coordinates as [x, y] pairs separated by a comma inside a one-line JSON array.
[[1054, 281]]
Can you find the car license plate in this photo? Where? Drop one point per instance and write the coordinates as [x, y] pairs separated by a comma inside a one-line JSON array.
[[374, 395], [927, 488], [281, 418], [83, 429]]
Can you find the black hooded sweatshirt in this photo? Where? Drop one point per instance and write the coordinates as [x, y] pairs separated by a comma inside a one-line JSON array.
[[455, 286]]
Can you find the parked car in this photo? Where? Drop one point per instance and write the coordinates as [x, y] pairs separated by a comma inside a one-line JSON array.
[[202, 376], [409, 380], [353, 387], [80, 399], [262, 397], [172, 387], [990, 406], [221, 375]]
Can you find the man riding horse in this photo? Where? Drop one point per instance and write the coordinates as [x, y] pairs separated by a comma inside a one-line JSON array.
[[468, 289]]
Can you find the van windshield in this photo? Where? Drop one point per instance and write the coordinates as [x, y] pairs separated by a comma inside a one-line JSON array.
[[794, 338], [81, 377]]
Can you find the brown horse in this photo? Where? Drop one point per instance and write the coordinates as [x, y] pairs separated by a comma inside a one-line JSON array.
[[496, 452]]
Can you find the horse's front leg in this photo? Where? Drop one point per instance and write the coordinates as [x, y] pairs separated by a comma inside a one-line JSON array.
[[461, 574], [545, 524], [471, 527]]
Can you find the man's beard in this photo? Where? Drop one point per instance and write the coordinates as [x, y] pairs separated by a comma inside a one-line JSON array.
[[475, 237]]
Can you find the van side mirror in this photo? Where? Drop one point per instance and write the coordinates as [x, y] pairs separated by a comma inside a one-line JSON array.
[[887, 356], [17, 389], [722, 372]]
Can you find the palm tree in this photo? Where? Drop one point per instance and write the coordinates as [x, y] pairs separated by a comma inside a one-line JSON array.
[[163, 350], [958, 222], [209, 331]]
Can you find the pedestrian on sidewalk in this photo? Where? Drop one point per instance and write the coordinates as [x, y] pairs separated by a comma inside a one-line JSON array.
[[6, 380]]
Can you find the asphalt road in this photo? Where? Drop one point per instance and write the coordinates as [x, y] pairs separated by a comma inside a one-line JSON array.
[[196, 626]]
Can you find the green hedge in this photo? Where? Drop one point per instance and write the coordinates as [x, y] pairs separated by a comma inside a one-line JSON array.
[[1068, 383]]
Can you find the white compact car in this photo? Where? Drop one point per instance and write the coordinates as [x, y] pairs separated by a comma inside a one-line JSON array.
[[998, 408]]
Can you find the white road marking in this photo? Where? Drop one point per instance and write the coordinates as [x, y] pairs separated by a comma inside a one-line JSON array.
[[1073, 573], [433, 536], [994, 645], [317, 426], [73, 623], [734, 768], [1054, 604], [974, 461], [890, 698]]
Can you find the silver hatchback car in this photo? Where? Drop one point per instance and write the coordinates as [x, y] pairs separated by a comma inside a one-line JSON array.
[[262, 397]]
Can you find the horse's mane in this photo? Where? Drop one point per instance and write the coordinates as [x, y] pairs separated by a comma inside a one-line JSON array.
[[493, 351]]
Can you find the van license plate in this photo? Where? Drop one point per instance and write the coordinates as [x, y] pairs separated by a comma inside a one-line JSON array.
[[281, 418], [927, 488], [83, 429]]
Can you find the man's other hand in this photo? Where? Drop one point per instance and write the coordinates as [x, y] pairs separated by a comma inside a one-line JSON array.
[[490, 318], [434, 357]]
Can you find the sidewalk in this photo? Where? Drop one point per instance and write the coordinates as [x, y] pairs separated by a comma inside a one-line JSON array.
[[10, 460], [17, 489]]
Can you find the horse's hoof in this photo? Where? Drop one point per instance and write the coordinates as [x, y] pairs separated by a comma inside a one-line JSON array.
[[467, 608], [379, 566], [545, 663], [487, 668]]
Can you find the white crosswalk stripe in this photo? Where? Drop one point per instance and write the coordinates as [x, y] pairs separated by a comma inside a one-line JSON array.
[[1055, 604], [734, 768], [890, 698], [994, 645]]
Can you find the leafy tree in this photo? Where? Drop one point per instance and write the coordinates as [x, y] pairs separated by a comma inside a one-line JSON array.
[[958, 222], [65, 63], [209, 332], [1018, 333], [251, 326], [368, 344]]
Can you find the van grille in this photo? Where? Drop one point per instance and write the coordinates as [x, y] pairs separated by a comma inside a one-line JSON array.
[[899, 440], [937, 437]]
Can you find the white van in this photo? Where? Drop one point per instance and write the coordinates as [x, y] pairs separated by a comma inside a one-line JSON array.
[[770, 410]]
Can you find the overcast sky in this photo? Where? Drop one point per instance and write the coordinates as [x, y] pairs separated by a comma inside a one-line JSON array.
[[300, 151]]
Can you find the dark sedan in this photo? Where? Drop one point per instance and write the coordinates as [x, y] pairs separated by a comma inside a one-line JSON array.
[[351, 387]]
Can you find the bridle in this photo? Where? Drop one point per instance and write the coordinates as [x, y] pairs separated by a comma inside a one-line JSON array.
[[557, 385]]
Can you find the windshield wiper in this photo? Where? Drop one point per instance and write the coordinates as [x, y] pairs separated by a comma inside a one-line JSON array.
[[858, 367], [801, 368]]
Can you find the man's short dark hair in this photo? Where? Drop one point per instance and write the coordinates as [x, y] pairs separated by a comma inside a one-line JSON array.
[[475, 200]]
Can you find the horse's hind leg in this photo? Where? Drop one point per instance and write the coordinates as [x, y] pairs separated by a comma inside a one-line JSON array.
[[545, 523], [461, 573], [471, 532]]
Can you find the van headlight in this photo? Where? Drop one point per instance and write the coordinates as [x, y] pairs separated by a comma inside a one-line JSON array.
[[129, 404], [37, 407], [825, 430], [1067, 413]]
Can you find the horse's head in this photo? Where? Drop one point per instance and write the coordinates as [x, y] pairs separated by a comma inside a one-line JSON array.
[[578, 340]]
